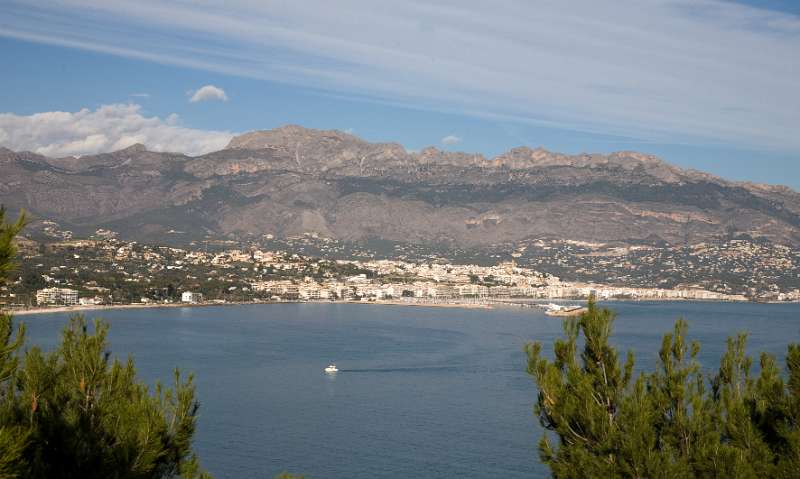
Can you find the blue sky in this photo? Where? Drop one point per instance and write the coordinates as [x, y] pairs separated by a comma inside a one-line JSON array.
[[706, 84]]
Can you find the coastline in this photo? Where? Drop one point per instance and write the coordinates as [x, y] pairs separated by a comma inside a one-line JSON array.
[[80, 309], [454, 304]]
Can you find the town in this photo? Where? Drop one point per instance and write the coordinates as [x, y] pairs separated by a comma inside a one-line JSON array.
[[106, 270]]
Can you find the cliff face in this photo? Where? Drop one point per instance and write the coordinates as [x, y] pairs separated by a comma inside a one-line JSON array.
[[293, 180]]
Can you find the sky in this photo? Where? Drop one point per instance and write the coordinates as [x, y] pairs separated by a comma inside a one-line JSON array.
[[704, 84]]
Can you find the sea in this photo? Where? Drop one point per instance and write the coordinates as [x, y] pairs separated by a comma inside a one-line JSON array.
[[421, 391]]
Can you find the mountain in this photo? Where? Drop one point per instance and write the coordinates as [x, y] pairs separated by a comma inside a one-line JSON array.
[[293, 180]]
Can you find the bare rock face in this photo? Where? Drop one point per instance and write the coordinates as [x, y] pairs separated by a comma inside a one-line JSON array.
[[317, 151], [293, 180], [625, 161], [292, 136], [436, 157]]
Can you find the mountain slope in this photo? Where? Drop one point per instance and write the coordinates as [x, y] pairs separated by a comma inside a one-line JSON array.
[[293, 180]]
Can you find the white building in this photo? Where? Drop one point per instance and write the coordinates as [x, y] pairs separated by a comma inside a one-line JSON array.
[[57, 296], [190, 297], [91, 301]]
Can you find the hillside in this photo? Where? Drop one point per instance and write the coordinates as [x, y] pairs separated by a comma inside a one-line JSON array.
[[293, 180]]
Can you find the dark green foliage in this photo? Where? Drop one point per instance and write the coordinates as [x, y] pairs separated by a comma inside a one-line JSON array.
[[7, 248], [13, 437], [672, 422], [89, 416], [76, 413]]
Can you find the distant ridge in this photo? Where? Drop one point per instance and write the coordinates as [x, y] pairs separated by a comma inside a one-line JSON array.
[[292, 180]]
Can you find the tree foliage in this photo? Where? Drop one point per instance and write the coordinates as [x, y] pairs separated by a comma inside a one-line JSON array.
[[89, 416], [8, 250], [13, 437], [76, 413], [675, 421]]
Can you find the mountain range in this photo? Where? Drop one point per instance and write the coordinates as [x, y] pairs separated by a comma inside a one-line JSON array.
[[293, 180]]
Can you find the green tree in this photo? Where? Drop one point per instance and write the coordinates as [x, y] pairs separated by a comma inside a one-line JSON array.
[[89, 416], [13, 436], [671, 422], [8, 250], [76, 413]]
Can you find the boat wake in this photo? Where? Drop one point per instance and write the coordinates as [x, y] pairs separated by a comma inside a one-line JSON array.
[[401, 370]]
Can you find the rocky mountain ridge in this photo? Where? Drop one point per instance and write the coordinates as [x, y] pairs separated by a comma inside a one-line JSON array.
[[304, 143], [292, 180]]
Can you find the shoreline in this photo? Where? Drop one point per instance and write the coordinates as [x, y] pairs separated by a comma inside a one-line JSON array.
[[79, 309], [465, 305]]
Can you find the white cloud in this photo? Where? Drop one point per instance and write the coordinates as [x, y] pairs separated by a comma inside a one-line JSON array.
[[208, 92], [140, 95], [675, 70], [108, 128], [451, 140]]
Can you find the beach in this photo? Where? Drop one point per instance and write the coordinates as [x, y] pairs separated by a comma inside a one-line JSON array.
[[106, 307]]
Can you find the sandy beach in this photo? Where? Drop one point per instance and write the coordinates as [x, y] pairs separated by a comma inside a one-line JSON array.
[[90, 308], [455, 304]]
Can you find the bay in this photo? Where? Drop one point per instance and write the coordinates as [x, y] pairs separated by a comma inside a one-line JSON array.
[[430, 392]]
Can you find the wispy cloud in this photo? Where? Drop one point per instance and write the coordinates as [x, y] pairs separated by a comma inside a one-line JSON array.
[[677, 70], [451, 140], [108, 128], [206, 93], [140, 95]]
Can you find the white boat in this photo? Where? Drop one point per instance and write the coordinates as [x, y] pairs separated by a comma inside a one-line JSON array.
[[331, 369], [564, 310], [552, 307]]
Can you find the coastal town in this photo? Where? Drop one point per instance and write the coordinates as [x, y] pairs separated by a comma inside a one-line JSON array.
[[103, 270]]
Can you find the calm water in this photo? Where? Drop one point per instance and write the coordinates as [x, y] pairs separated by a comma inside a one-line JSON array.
[[432, 392]]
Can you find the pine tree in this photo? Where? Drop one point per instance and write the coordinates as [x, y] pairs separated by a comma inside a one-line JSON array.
[[89, 415], [76, 413], [8, 250], [666, 423], [13, 437]]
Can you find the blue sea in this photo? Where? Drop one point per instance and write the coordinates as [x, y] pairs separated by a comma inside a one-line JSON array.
[[426, 392]]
